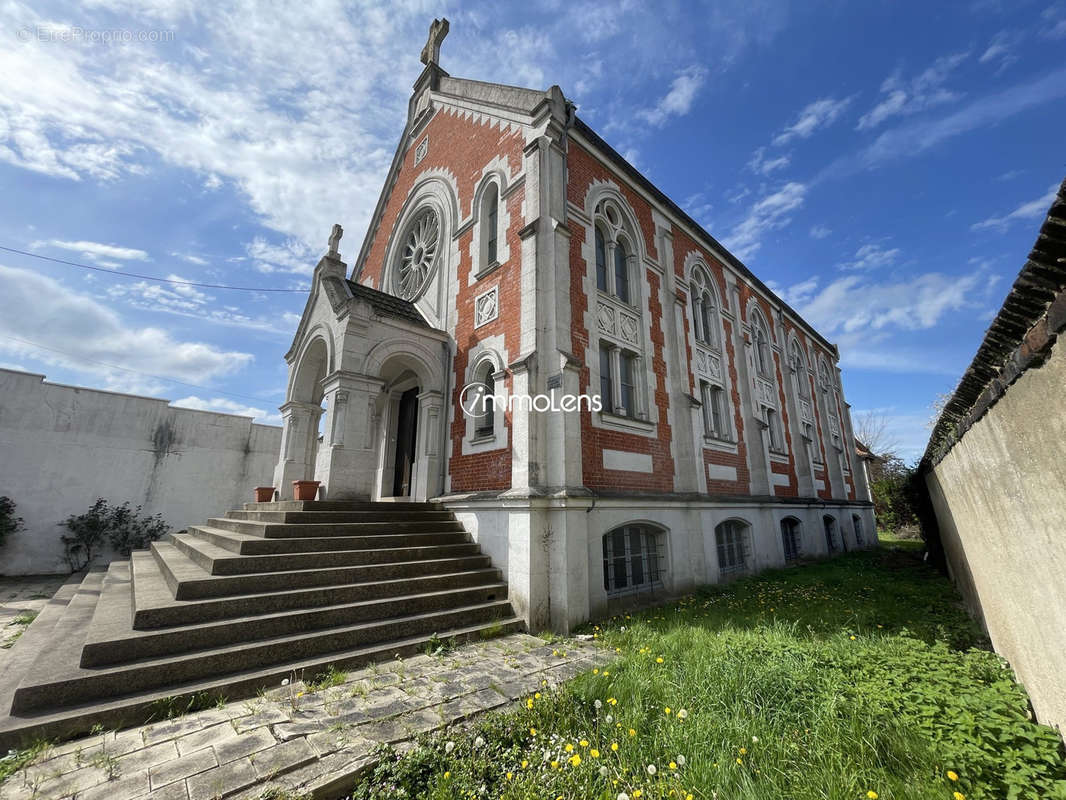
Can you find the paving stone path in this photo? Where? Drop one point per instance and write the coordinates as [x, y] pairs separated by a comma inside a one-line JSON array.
[[292, 739]]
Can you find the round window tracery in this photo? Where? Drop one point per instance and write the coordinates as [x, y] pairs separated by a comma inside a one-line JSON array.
[[418, 255]]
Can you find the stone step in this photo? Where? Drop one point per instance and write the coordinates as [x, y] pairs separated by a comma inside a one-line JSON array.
[[334, 517], [156, 607], [343, 505], [67, 684], [248, 544], [108, 643], [283, 530], [188, 580], [23, 728], [219, 561]]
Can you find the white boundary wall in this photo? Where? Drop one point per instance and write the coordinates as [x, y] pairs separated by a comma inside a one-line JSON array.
[[62, 447]]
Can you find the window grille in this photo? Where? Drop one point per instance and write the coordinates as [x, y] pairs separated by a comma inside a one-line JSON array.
[[633, 558], [790, 538], [732, 540], [493, 217], [830, 525]]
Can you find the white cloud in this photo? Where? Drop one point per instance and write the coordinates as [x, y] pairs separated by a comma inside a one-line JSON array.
[[200, 262], [871, 256], [1034, 209], [925, 90], [225, 406], [1001, 50], [96, 251], [82, 333], [861, 305], [1054, 17], [908, 140], [291, 255], [820, 232], [815, 115], [678, 101], [764, 166], [769, 213]]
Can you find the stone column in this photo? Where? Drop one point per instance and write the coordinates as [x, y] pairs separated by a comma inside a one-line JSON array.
[[346, 462], [426, 478], [298, 439]]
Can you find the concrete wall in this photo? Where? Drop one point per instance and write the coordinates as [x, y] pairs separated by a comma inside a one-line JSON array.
[[61, 447], [1000, 497]]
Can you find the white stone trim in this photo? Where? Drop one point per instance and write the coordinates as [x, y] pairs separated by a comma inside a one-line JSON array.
[[721, 472], [487, 306], [627, 461]]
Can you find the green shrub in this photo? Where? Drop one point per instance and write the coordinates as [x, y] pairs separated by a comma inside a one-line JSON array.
[[9, 523], [124, 528]]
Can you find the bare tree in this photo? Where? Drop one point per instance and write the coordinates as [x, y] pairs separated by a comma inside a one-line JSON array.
[[873, 430]]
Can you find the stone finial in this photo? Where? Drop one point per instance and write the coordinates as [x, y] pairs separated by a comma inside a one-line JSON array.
[[334, 240], [437, 31]]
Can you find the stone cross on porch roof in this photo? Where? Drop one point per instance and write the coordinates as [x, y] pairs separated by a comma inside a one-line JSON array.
[[437, 31]]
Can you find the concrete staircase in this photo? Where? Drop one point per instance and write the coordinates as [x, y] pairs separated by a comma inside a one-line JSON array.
[[248, 599]]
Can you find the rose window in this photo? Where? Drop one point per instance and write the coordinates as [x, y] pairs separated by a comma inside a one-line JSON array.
[[418, 255]]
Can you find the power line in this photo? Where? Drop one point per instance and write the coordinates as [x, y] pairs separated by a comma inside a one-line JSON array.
[[135, 371], [147, 277]]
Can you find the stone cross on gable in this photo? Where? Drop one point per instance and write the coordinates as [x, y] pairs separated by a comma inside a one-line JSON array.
[[437, 31], [334, 241]]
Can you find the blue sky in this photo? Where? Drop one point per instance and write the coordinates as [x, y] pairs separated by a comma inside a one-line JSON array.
[[884, 165]]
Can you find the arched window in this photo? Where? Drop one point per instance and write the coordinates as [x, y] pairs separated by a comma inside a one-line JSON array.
[[761, 347], [621, 272], [732, 540], [486, 424], [491, 222], [830, 525], [601, 261], [856, 522], [777, 436], [633, 559], [704, 310], [791, 541], [797, 365]]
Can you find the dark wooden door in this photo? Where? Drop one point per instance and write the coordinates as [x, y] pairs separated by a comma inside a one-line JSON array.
[[405, 443]]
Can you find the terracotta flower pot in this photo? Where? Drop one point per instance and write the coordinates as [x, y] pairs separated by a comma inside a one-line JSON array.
[[305, 490], [264, 494]]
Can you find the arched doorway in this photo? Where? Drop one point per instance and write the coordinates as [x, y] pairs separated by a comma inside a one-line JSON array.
[[406, 438], [303, 413]]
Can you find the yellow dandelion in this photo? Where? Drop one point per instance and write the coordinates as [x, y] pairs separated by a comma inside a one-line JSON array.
[[959, 796], [659, 660], [555, 765], [852, 638], [632, 732], [743, 751], [575, 760], [673, 765], [569, 747], [667, 711], [536, 695], [637, 793], [447, 775], [740, 760], [952, 775], [532, 731], [594, 753], [584, 742], [529, 704], [595, 672], [872, 794], [614, 747], [524, 763], [510, 775]]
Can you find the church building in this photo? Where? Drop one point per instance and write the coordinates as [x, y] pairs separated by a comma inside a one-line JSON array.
[[537, 338]]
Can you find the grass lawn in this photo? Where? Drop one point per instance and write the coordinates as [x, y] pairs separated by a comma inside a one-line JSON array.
[[850, 679], [893, 541]]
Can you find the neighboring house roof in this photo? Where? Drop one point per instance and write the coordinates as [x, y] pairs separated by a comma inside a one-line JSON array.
[[388, 305], [862, 451], [1019, 337]]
